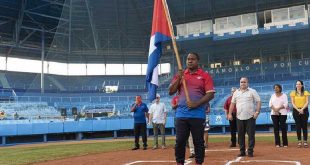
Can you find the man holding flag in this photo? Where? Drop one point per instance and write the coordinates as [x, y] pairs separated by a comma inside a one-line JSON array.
[[191, 114]]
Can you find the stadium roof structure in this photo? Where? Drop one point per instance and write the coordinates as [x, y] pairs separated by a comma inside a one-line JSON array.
[[105, 31]]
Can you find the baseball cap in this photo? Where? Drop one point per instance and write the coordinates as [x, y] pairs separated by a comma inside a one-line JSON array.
[[157, 95]]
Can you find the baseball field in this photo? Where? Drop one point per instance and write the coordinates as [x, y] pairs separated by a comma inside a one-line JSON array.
[[118, 151]]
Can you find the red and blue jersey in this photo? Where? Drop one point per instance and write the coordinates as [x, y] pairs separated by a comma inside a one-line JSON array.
[[198, 84]]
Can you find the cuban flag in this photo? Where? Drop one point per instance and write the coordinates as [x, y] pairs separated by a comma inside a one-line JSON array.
[[160, 33]]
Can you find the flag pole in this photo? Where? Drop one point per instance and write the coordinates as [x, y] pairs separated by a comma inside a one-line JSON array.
[[175, 48]]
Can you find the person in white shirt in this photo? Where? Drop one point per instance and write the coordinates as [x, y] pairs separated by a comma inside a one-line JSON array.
[[248, 104], [278, 104], [158, 115]]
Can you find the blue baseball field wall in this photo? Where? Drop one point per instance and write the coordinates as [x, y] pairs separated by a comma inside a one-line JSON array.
[[10, 129]]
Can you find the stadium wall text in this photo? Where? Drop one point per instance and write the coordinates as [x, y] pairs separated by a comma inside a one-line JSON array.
[[275, 66]]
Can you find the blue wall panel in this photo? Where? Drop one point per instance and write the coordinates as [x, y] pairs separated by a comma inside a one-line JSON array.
[[99, 125], [24, 129], [39, 128], [8, 129], [126, 124], [218, 120], [263, 118], [85, 126], [268, 118], [170, 122], [71, 126], [108, 125], [56, 127], [113, 124], [290, 118]]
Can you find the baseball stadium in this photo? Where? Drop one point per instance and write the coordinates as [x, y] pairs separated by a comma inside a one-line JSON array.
[[74, 74]]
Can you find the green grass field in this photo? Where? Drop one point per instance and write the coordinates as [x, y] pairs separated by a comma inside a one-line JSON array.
[[27, 155]]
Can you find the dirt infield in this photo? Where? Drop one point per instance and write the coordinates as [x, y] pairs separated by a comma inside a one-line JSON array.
[[265, 153]]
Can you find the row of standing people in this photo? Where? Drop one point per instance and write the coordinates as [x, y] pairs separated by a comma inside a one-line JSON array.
[[155, 116], [241, 116], [279, 108], [244, 108]]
